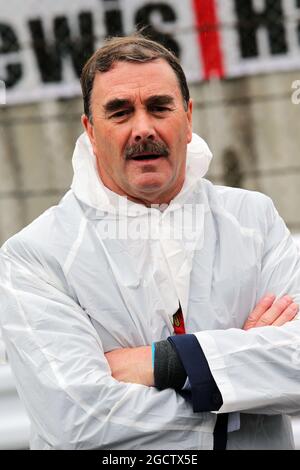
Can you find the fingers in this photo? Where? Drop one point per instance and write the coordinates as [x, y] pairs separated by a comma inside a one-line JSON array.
[[267, 312], [275, 311], [288, 315], [262, 307]]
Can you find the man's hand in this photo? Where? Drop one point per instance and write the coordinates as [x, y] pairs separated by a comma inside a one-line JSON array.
[[267, 312], [132, 365]]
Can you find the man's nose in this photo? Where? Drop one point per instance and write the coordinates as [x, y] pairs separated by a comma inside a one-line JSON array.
[[143, 128]]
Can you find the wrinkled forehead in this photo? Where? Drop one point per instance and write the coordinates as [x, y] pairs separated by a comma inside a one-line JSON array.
[[125, 80]]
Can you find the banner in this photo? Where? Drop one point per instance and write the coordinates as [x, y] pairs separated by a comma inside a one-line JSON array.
[[44, 43]]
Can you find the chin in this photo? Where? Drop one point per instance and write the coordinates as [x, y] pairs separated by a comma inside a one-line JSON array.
[[150, 183]]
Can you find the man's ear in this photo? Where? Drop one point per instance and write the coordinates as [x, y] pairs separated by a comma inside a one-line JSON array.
[[189, 115], [89, 129]]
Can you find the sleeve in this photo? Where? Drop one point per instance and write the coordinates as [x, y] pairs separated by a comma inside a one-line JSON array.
[[167, 366], [205, 394], [258, 371], [64, 379]]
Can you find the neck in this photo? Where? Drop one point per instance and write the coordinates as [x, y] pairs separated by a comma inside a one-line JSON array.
[[155, 200]]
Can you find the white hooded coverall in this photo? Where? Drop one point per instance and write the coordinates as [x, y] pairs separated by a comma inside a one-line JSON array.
[[71, 291]]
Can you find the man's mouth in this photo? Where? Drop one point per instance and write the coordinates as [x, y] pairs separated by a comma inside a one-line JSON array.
[[145, 157]]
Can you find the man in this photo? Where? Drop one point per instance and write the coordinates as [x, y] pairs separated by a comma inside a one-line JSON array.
[[144, 251]]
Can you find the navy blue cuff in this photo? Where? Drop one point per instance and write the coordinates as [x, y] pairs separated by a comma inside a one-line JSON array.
[[206, 395]]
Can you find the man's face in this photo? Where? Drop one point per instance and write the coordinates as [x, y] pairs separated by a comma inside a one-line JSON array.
[[140, 130]]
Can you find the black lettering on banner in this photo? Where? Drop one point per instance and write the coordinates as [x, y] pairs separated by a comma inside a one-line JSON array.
[[113, 18], [143, 18], [49, 56], [249, 20], [9, 43]]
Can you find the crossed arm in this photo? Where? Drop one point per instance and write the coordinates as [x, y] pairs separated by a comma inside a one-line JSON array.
[[134, 365]]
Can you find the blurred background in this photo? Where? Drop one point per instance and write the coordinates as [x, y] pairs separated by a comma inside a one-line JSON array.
[[242, 61]]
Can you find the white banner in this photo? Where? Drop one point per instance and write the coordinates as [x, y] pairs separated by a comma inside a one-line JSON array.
[[43, 43]]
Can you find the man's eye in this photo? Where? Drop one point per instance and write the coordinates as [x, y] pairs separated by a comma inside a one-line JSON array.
[[159, 109], [120, 114]]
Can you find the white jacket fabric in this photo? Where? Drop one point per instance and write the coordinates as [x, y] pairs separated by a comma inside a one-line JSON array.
[[71, 290]]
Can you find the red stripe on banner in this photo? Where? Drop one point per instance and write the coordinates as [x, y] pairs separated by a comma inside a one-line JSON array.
[[209, 38]]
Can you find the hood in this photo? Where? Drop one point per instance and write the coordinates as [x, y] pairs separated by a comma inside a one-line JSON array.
[[88, 187]]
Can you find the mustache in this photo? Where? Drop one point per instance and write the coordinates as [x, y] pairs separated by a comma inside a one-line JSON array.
[[151, 147]]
